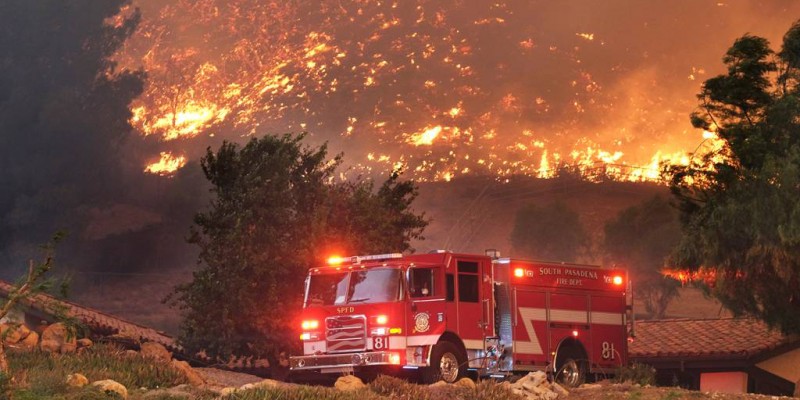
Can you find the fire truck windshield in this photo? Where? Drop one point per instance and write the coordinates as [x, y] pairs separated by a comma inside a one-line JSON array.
[[376, 285]]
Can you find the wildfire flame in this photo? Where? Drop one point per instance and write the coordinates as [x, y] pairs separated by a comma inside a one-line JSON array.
[[442, 90], [167, 165]]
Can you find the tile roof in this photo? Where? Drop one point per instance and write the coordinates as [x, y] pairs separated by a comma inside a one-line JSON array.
[[97, 321], [729, 338]]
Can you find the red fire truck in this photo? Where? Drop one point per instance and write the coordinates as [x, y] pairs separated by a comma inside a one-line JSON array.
[[444, 313]]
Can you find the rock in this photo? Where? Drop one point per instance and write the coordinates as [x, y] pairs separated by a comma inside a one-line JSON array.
[[349, 383], [467, 383], [85, 342], [191, 375], [68, 347], [109, 385], [13, 333], [559, 389], [535, 386], [265, 384], [30, 342], [227, 391], [77, 380], [56, 338], [156, 351], [50, 346]]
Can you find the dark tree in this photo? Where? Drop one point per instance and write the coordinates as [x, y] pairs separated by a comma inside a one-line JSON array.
[[640, 239], [552, 232], [740, 206], [274, 213], [63, 114]]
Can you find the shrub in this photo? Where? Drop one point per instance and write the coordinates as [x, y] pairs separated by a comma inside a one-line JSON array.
[[642, 374]]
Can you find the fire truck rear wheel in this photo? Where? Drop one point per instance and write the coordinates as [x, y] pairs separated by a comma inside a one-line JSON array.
[[571, 372], [447, 364]]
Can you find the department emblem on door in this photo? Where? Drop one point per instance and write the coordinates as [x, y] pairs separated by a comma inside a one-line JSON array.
[[422, 322]]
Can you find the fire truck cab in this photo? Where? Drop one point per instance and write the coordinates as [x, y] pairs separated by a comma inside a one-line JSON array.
[[444, 313]]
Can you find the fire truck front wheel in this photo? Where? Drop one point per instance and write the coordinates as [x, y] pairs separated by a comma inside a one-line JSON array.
[[448, 364]]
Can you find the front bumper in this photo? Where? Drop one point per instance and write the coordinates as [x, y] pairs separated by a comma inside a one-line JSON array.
[[340, 360]]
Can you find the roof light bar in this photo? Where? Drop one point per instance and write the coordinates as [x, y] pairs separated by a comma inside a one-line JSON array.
[[336, 260], [374, 257]]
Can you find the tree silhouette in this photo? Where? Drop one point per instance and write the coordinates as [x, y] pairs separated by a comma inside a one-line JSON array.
[[740, 205]]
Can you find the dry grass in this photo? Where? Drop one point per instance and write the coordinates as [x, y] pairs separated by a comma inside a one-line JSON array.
[[41, 375]]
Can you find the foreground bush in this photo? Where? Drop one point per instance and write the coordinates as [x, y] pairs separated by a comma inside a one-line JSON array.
[[43, 375], [642, 374]]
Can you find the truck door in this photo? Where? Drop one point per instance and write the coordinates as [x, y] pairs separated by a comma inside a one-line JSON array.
[[426, 290], [472, 304]]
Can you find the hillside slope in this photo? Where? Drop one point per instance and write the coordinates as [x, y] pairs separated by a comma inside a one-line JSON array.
[[467, 215]]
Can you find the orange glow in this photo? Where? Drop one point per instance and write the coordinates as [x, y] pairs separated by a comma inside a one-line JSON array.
[[394, 358], [519, 272], [426, 137], [167, 165], [310, 324], [702, 275], [335, 260], [575, 333], [381, 320], [415, 89], [617, 280]]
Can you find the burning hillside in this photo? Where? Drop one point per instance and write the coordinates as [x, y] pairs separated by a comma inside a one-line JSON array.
[[445, 88]]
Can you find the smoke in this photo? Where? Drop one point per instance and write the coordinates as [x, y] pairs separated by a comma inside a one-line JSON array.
[[69, 159]]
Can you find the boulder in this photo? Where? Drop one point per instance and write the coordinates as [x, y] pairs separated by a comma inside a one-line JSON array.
[[30, 342], [535, 386], [56, 338], [13, 333], [467, 383], [109, 385], [349, 383], [156, 351], [77, 380], [191, 375]]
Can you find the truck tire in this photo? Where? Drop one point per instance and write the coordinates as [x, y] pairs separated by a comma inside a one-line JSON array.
[[447, 364], [571, 368]]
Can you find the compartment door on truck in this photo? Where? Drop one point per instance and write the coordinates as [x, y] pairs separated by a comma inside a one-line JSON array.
[[469, 307]]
